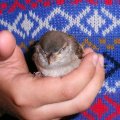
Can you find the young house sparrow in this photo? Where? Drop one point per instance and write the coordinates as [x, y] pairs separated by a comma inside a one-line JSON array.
[[57, 54]]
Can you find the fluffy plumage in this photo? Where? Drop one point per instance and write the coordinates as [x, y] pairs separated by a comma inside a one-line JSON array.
[[57, 54]]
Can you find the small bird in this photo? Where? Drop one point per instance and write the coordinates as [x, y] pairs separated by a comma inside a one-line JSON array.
[[57, 54]]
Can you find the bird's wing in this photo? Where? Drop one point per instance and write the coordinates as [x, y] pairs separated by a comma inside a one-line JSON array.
[[35, 56], [79, 50]]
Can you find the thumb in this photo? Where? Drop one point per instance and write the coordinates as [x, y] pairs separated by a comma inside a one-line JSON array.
[[7, 45], [11, 55]]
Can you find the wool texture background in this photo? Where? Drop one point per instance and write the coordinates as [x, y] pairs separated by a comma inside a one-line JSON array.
[[95, 24]]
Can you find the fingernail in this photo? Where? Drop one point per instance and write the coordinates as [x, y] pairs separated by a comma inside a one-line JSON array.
[[101, 60], [95, 59]]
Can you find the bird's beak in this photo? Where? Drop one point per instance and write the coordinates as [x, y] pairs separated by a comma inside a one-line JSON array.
[[49, 58], [49, 61]]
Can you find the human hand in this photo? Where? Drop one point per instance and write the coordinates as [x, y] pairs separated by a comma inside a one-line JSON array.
[[32, 98]]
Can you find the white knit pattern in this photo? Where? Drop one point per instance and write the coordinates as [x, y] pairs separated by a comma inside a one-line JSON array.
[[95, 22], [112, 89]]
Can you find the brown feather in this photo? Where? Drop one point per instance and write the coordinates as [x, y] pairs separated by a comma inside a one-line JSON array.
[[77, 46]]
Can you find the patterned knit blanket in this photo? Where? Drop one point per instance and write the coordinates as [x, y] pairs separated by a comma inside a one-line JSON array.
[[94, 23]]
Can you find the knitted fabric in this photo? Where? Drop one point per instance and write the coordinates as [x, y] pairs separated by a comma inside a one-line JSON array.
[[95, 24]]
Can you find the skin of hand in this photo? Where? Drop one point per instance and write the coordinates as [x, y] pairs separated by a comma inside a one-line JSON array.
[[34, 98]]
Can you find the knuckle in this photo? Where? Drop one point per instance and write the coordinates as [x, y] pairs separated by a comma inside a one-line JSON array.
[[19, 98], [19, 101], [69, 92], [90, 55], [84, 105], [20, 94]]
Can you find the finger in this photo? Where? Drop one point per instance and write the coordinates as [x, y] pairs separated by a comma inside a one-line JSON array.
[[81, 102], [11, 57], [17, 60], [60, 89], [7, 44], [87, 51]]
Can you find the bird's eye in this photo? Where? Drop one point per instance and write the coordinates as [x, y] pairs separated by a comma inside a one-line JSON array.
[[62, 49], [44, 52]]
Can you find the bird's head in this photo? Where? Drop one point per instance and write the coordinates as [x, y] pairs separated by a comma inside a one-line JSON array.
[[55, 48]]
